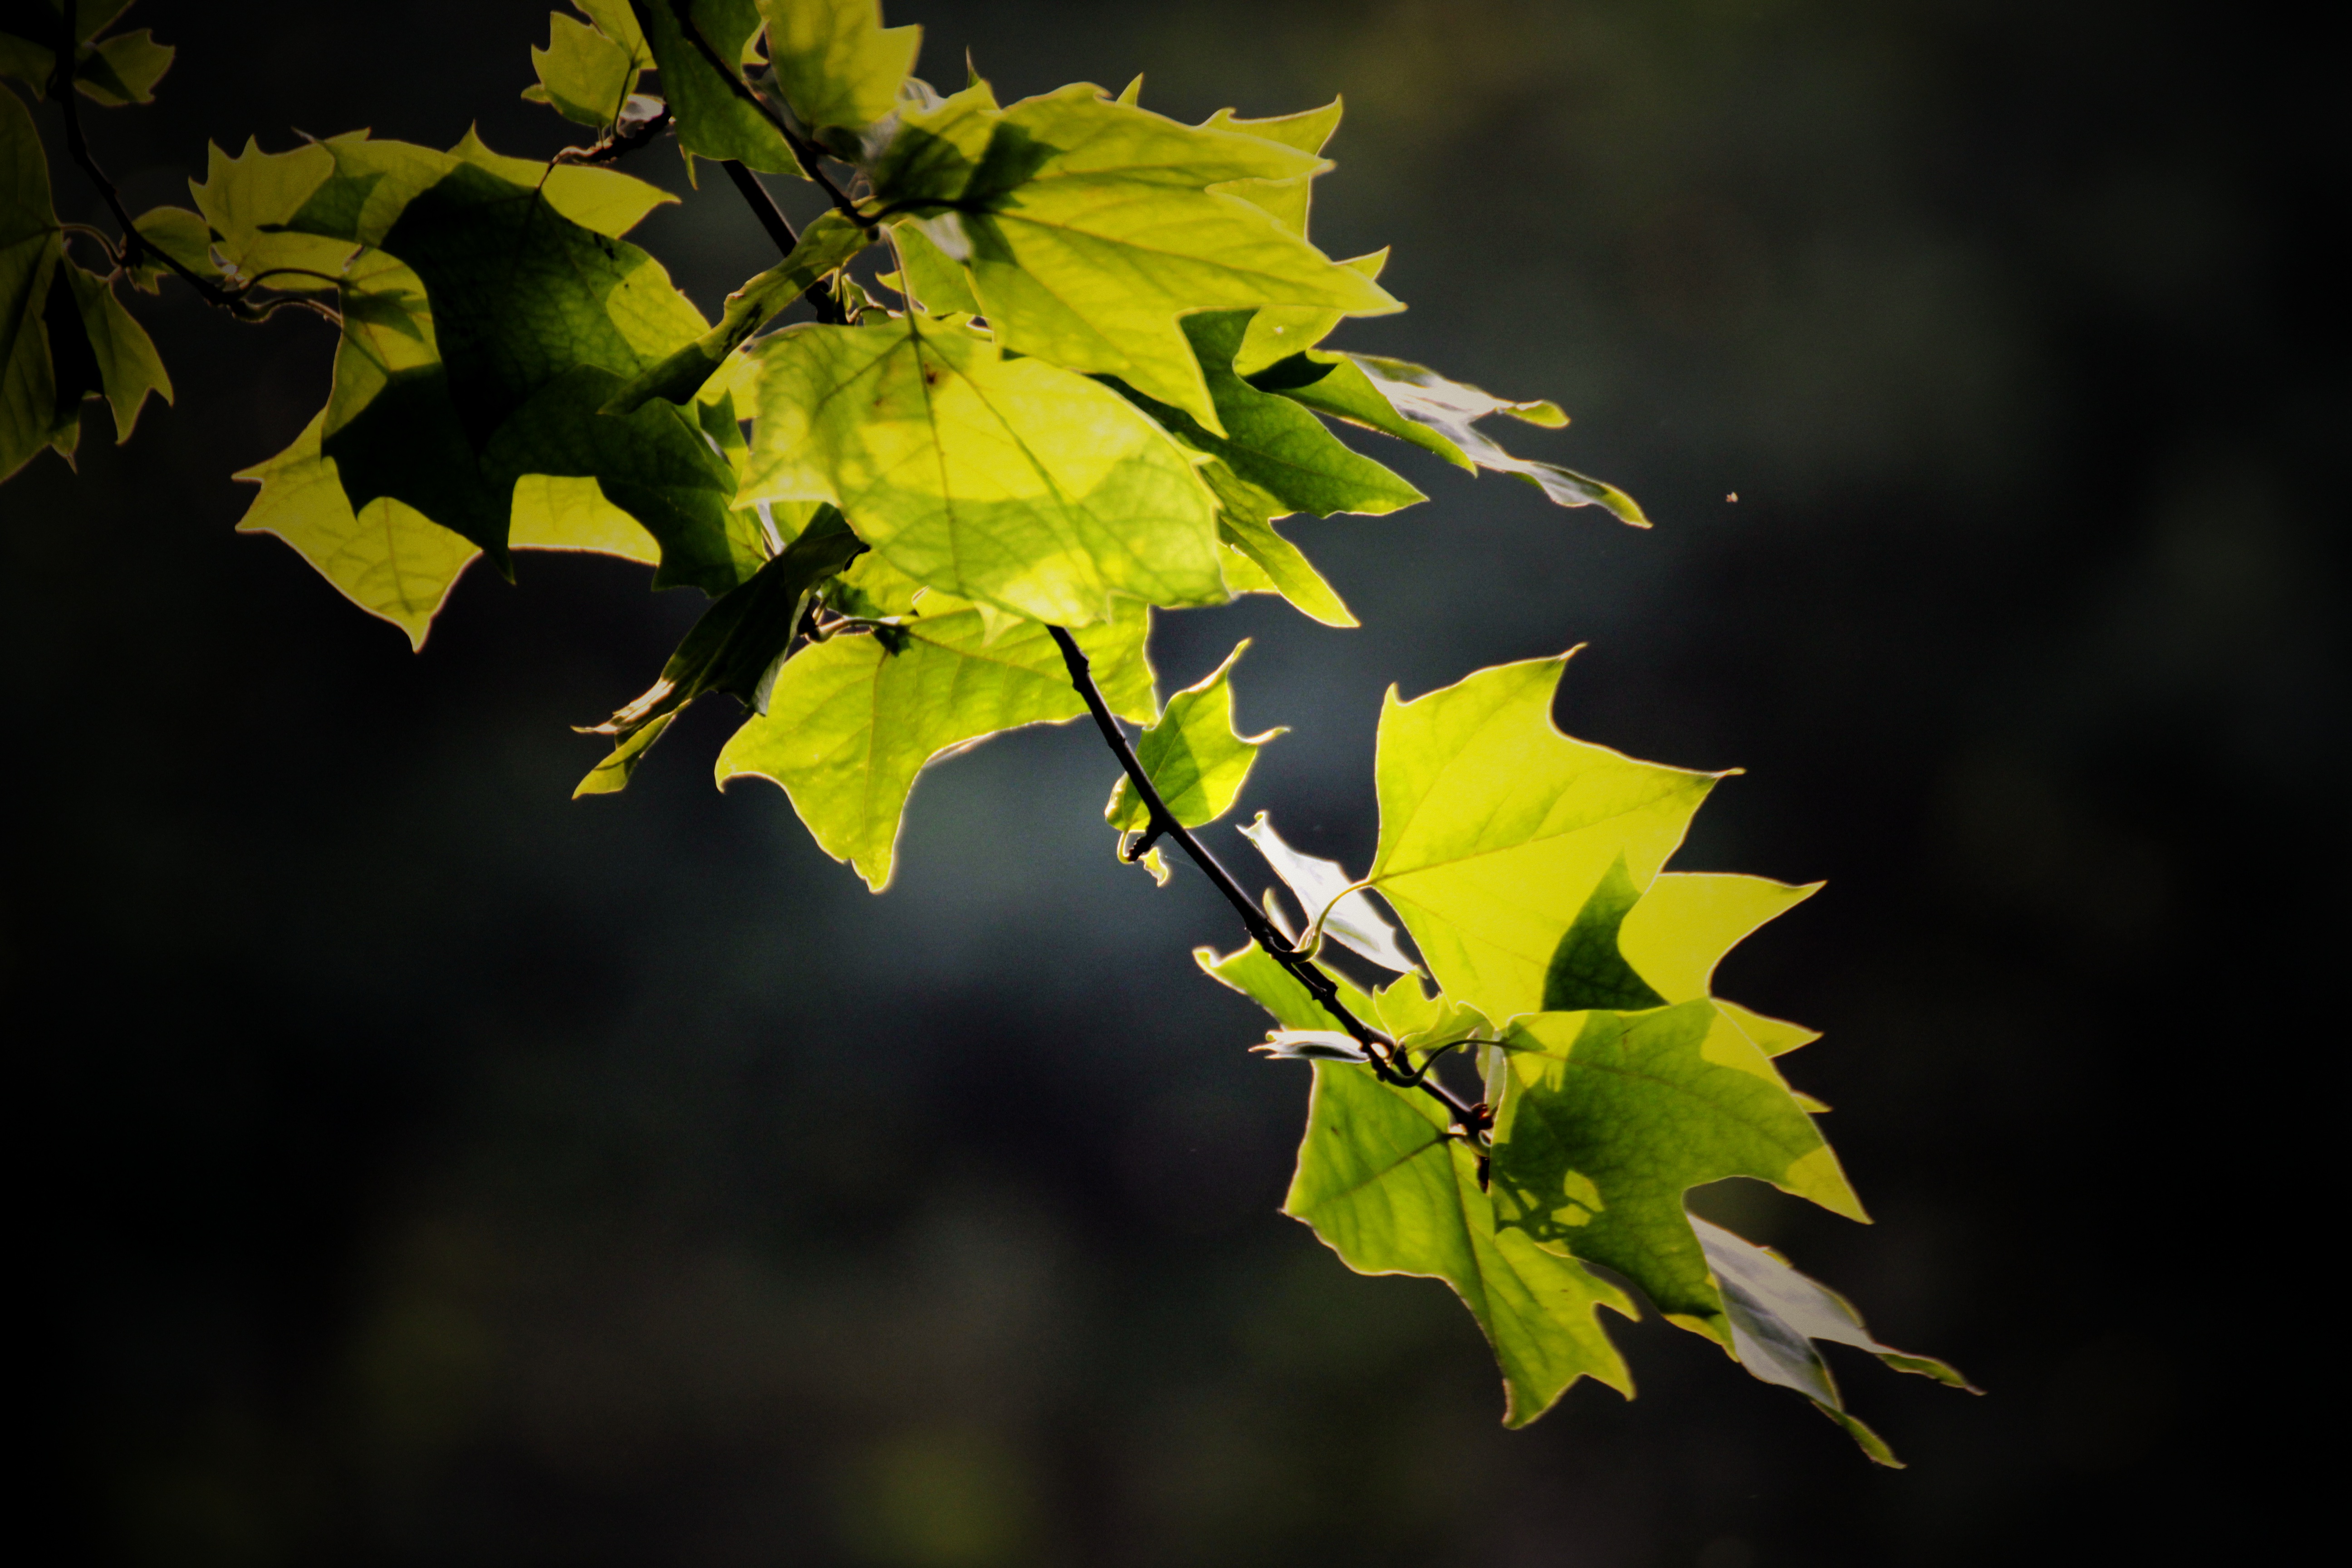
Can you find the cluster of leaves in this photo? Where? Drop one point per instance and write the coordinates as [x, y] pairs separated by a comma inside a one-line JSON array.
[[1086, 381]]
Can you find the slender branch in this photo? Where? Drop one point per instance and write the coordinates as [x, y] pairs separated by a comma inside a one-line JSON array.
[[618, 144], [1470, 1119]]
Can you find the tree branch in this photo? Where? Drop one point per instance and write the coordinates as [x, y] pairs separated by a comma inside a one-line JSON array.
[[780, 230], [1386, 1060]]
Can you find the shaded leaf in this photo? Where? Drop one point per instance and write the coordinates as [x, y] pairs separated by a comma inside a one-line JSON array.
[[852, 721], [129, 368], [1610, 1116], [823, 246], [1281, 459], [714, 119], [735, 647], [1011, 481], [1415, 403], [29, 255]]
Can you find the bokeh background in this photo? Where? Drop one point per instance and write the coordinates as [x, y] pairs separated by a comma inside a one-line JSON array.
[[436, 1170]]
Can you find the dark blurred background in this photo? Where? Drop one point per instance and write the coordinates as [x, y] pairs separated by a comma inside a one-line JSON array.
[[435, 1170]]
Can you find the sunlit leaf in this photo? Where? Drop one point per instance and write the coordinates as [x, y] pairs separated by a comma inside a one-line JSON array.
[[1384, 1188], [1089, 228], [583, 74], [1193, 755], [837, 66], [1495, 828], [852, 721], [1008, 480]]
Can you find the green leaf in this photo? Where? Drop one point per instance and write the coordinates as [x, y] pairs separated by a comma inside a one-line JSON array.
[[1089, 228], [248, 200], [1495, 828], [852, 721], [397, 563], [714, 113], [1385, 1189], [129, 368], [1415, 403], [387, 557], [836, 65], [822, 246], [123, 69], [1333, 902], [735, 647], [1279, 330], [111, 71], [1775, 1314], [583, 74], [29, 255], [1281, 567], [485, 360], [926, 276], [1280, 457], [1011, 481], [1193, 755], [1610, 1116], [182, 235]]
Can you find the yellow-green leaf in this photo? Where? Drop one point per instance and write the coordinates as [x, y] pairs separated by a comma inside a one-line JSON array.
[[852, 721], [1011, 481], [1089, 228], [1495, 828], [835, 64], [1193, 755]]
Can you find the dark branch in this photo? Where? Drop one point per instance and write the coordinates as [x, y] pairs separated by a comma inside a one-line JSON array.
[[1386, 1060]]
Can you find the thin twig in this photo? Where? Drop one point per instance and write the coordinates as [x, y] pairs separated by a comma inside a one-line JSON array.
[[1470, 1119]]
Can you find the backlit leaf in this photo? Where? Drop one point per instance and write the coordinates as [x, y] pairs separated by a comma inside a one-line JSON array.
[[583, 74], [852, 721], [836, 65], [1089, 228], [1610, 1116], [734, 647], [29, 255], [713, 118], [1193, 755], [1384, 1188], [1495, 828], [129, 368], [1012, 481]]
